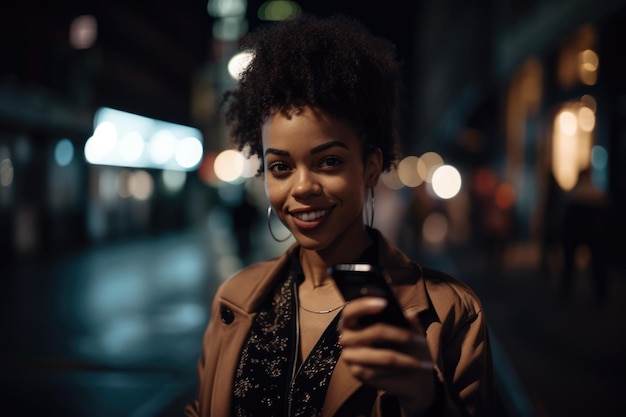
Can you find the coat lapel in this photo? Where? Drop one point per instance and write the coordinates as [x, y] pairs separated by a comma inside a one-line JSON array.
[[342, 386], [233, 337], [243, 304]]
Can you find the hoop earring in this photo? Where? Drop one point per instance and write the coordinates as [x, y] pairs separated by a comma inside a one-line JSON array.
[[370, 223], [269, 226]]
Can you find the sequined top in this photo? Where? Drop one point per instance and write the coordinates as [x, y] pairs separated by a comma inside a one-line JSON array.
[[270, 379]]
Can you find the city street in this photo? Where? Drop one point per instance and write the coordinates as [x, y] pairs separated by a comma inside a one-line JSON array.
[[115, 330]]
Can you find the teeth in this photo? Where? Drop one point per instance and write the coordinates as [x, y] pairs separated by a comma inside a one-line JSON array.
[[310, 216]]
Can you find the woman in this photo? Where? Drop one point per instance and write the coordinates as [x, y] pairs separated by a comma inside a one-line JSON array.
[[318, 103]]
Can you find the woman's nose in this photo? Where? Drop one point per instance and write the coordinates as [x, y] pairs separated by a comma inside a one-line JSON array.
[[306, 184]]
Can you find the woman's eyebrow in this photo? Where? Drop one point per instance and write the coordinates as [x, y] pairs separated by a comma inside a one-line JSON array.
[[328, 145], [276, 152], [317, 149]]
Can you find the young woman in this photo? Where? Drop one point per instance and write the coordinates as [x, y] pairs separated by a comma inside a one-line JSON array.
[[318, 103]]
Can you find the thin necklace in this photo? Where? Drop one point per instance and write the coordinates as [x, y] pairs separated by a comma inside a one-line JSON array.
[[323, 311]]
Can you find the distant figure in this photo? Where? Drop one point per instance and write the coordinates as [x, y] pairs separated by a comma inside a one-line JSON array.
[[245, 217], [585, 222], [553, 219], [498, 224]]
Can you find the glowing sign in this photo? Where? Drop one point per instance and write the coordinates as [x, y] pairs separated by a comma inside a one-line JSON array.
[[129, 140]]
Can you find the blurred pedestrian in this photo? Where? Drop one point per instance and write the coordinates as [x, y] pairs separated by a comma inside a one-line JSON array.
[[552, 226], [585, 224], [318, 104], [245, 217]]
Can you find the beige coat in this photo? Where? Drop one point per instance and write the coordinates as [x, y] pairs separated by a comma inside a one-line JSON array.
[[450, 313]]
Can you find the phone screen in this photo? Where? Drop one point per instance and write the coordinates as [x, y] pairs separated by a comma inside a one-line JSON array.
[[360, 280]]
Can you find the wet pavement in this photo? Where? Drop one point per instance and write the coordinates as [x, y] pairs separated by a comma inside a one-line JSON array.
[[115, 330], [568, 355]]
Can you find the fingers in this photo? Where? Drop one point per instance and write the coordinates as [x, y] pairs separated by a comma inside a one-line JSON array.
[[380, 333], [390, 358], [377, 334], [384, 361], [356, 309]]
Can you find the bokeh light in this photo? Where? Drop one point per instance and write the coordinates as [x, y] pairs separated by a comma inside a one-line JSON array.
[[173, 181], [251, 166], [568, 123], [141, 185], [391, 179], [275, 10], [435, 228], [432, 161], [188, 152], [599, 157], [586, 119], [102, 141], [229, 165], [504, 196], [588, 66], [238, 63], [446, 181], [412, 171], [83, 32], [64, 152], [6, 172]]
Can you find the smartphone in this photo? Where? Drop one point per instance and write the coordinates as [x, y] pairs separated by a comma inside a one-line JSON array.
[[359, 280]]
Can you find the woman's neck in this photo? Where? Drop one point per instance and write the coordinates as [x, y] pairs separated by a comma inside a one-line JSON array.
[[315, 264]]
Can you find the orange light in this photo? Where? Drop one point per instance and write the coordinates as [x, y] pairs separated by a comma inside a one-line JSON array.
[[206, 171], [504, 196]]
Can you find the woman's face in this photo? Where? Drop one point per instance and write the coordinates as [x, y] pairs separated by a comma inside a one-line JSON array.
[[316, 177]]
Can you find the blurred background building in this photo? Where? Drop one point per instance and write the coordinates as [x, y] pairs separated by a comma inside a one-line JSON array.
[[122, 205]]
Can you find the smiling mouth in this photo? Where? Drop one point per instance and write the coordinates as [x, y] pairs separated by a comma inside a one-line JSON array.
[[310, 216]]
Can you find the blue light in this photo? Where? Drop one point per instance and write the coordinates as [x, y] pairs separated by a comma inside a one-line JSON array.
[[64, 152], [599, 157]]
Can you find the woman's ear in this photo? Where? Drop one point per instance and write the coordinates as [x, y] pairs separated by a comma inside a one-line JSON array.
[[373, 167]]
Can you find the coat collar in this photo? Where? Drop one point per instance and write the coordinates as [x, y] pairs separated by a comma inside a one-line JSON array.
[[402, 271]]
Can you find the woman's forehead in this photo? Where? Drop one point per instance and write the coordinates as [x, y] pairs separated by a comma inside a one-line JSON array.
[[307, 127]]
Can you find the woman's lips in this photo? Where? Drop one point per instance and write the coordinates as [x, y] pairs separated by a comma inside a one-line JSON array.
[[309, 216], [308, 219]]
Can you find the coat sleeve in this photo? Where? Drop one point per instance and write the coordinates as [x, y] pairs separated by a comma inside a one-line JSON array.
[[459, 341], [463, 375], [466, 371]]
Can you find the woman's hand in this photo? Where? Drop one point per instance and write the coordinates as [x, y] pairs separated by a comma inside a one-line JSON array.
[[389, 358]]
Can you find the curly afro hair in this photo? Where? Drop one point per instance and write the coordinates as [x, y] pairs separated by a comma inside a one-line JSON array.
[[330, 63]]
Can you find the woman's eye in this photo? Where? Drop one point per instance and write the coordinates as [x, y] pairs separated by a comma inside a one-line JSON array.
[[331, 161], [278, 167]]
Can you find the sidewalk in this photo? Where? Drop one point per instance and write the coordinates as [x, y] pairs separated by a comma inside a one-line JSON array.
[[111, 331], [568, 356], [114, 330]]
